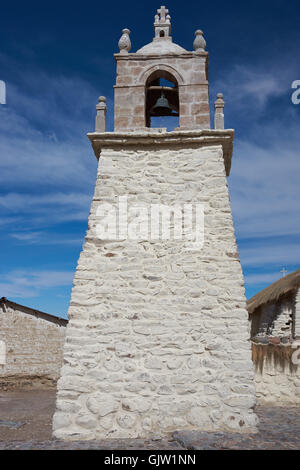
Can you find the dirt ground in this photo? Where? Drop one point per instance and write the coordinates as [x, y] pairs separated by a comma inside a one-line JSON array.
[[26, 416], [33, 408]]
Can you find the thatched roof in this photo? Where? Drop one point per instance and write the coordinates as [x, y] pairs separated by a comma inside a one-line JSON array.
[[274, 291]]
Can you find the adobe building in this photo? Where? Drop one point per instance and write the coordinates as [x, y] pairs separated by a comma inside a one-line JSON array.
[[31, 346], [274, 315], [158, 330]]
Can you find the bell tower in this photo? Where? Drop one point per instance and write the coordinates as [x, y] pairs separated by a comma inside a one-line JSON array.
[[157, 338], [138, 86]]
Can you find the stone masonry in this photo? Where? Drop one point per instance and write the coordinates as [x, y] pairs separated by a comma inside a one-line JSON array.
[[161, 58], [190, 73], [297, 315], [274, 319], [157, 337], [276, 350], [277, 385], [32, 345]]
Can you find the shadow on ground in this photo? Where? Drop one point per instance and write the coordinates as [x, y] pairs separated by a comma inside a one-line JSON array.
[[25, 423]]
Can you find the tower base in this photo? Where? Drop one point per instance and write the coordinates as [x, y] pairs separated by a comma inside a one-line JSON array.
[[158, 334]]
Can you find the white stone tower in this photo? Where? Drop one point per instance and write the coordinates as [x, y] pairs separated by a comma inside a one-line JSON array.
[[158, 334]]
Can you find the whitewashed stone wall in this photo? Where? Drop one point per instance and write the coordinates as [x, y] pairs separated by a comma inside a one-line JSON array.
[[283, 322], [297, 315], [275, 319], [158, 335], [31, 346], [278, 386]]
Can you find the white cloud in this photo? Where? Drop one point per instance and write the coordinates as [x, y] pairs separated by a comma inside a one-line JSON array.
[[46, 238], [34, 202], [268, 253], [250, 87], [47, 166], [42, 161], [8, 220], [30, 283], [27, 236], [33, 212], [264, 181], [43, 130], [264, 278], [253, 85], [11, 291], [264, 187]]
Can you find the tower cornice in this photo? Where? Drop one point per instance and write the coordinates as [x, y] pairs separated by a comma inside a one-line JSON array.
[[147, 138], [137, 56]]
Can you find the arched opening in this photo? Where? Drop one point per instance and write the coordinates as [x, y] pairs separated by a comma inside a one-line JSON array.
[[162, 34], [162, 100]]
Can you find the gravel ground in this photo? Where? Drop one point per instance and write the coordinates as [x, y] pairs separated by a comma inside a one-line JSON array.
[[25, 423]]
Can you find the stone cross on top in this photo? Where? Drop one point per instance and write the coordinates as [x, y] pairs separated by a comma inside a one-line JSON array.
[[162, 12], [162, 24], [283, 272]]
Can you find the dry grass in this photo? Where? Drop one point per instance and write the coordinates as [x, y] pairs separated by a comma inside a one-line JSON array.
[[274, 291], [278, 354]]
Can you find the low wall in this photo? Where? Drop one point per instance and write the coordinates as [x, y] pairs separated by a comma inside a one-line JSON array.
[[277, 378], [31, 347]]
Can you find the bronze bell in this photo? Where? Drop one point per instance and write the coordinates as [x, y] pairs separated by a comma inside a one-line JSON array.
[[162, 107]]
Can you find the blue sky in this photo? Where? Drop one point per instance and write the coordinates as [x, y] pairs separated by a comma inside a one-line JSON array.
[[57, 58]]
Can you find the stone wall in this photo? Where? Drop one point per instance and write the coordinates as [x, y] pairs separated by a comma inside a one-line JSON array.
[[274, 319], [33, 344], [297, 315], [277, 379], [188, 69], [157, 337], [273, 328]]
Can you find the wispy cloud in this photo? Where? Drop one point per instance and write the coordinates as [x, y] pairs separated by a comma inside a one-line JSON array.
[[252, 86], [264, 186], [29, 283], [246, 86], [44, 152], [47, 167], [46, 238], [259, 279], [27, 236], [269, 252], [264, 181], [42, 129], [264, 190], [34, 212], [33, 202]]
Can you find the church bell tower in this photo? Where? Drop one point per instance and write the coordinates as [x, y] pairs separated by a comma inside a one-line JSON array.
[[139, 74], [157, 339]]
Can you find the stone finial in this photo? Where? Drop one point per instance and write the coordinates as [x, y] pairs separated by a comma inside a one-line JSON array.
[[162, 23], [124, 43], [219, 111], [101, 114], [199, 41], [163, 12]]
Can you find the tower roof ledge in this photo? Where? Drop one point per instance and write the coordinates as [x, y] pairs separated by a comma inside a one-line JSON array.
[[160, 137], [155, 54]]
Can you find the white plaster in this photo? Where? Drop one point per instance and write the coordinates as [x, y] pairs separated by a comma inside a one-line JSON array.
[[156, 340]]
